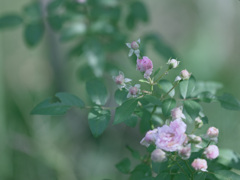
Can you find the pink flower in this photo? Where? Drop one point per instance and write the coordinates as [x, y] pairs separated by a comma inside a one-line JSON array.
[[212, 132], [185, 74], [170, 138], [200, 164], [149, 138], [134, 48], [145, 65], [120, 80], [158, 155], [211, 152], [177, 113], [185, 152]]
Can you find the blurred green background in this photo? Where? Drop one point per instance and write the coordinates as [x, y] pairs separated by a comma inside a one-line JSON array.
[[205, 36]]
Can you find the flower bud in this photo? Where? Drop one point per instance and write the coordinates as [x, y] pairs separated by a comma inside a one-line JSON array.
[[158, 155], [198, 122], [173, 63], [177, 113], [185, 152], [134, 45], [119, 79], [212, 132], [195, 139], [185, 74], [149, 138], [200, 164], [133, 90], [211, 152]]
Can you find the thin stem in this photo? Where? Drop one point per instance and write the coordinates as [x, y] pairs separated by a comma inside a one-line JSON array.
[[153, 111], [165, 73], [180, 167], [175, 85]]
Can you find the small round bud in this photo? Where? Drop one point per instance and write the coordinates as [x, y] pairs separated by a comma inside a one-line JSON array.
[[133, 90], [149, 138], [200, 164], [177, 113], [185, 74], [212, 132], [211, 152], [158, 155], [119, 79], [198, 122], [134, 45], [185, 152], [195, 139], [173, 63]]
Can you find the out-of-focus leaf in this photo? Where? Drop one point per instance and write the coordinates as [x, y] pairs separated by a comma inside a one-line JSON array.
[[163, 176], [98, 120], [208, 86], [226, 175], [200, 176], [56, 21], [33, 11], [193, 108], [134, 153], [159, 167], [141, 171], [120, 96], [97, 91], [167, 106], [10, 21], [229, 158], [54, 5], [72, 31], [124, 166], [85, 73], [33, 33], [166, 85], [160, 45], [206, 97], [131, 121], [125, 110], [58, 105], [229, 102], [187, 87], [153, 100]]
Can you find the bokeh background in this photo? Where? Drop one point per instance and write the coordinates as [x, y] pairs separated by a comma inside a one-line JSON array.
[[204, 35]]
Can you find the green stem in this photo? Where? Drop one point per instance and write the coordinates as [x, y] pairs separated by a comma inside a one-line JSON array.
[[180, 167], [175, 85], [166, 72], [153, 111]]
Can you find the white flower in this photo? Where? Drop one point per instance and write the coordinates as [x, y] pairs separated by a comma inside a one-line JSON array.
[[184, 75], [134, 48], [133, 91], [120, 80]]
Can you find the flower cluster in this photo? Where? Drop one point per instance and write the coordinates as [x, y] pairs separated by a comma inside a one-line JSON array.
[[173, 138]]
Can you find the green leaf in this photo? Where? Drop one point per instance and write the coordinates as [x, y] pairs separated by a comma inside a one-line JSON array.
[[58, 105], [10, 21], [98, 120], [141, 172], [187, 87], [56, 21], [124, 166], [33, 33], [180, 177], [139, 11], [120, 96], [72, 31], [134, 153], [206, 97], [166, 85], [145, 124], [156, 72], [226, 175], [33, 11], [167, 106], [97, 91], [159, 168], [229, 158], [125, 110], [193, 108], [208, 86], [163, 176], [153, 100], [229, 102], [131, 121], [200, 176]]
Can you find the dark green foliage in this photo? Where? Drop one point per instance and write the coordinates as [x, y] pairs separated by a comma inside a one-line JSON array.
[[10, 21]]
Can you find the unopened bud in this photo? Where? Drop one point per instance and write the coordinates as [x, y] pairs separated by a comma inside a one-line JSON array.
[[173, 63], [185, 152], [185, 74], [212, 132], [195, 139], [134, 45], [198, 122], [200, 164], [158, 155], [149, 138], [211, 152]]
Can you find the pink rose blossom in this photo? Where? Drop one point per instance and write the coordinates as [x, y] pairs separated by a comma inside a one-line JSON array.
[[170, 138], [185, 152], [200, 164], [211, 152], [158, 155], [177, 113], [212, 132], [149, 138], [145, 65]]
